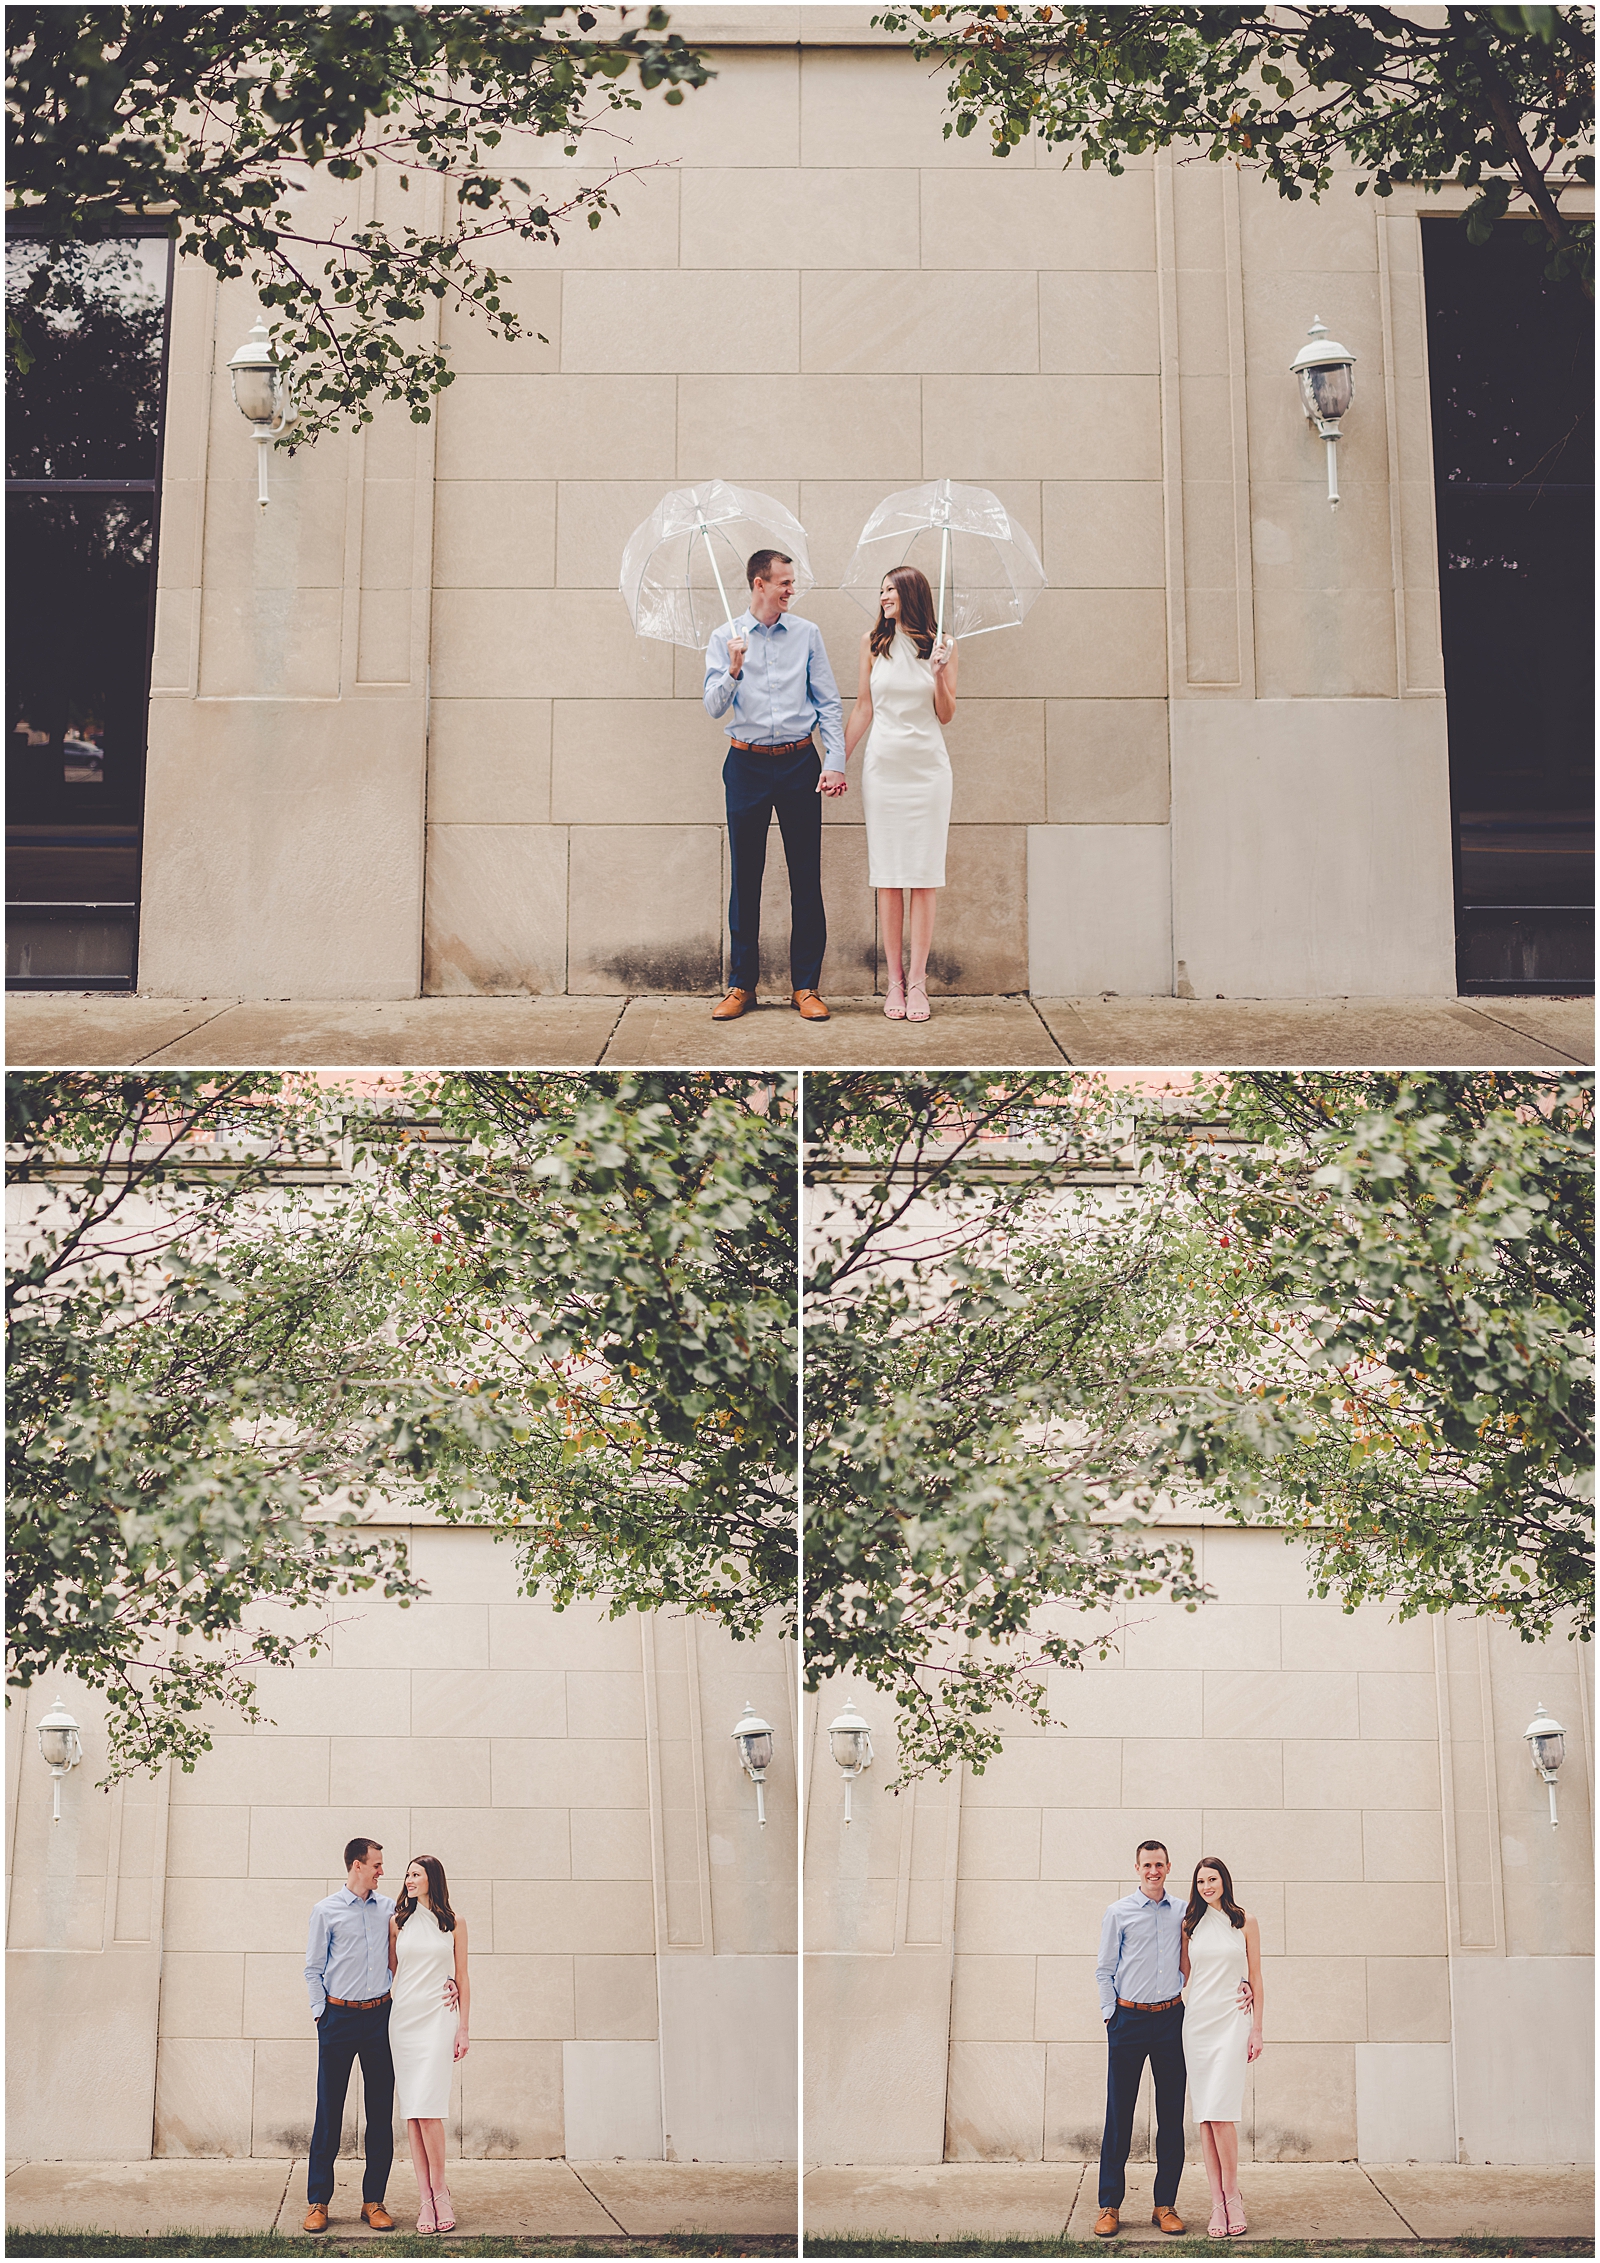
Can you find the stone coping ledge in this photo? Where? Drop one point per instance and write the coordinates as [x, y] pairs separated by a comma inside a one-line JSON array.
[[1284, 2200], [66, 1029], [617, 2200]]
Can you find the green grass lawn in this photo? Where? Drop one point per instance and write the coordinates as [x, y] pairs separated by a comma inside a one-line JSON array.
[[400, 2243]]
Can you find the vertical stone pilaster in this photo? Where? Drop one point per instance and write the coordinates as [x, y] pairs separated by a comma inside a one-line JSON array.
[[677, 1787], [1473, 1891]]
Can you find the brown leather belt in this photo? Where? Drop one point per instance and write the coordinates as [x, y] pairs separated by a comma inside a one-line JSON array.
[[349, 2004], [1127, 2007], [790, 746]]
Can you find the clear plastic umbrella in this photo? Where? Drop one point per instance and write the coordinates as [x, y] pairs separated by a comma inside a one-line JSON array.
[[984, 571], [680, 565]]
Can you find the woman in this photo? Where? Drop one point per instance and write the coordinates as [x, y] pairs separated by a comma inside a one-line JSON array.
[[427, 2034], [1220, 1946], [905, 690]]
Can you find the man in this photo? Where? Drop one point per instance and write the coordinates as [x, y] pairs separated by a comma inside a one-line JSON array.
[[1141, 2002], [347, 1973], [770, 678]]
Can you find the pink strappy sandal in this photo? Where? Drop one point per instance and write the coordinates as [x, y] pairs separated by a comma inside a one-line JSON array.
[[894, 1006], [425, 2216], [917, 990], [444, 2209]]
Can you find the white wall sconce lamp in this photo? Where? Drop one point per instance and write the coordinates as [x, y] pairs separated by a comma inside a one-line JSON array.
[[1547, 1748], [851, 1740], [754, 1737], [261, 390], [1327, 389], [61, 1745]]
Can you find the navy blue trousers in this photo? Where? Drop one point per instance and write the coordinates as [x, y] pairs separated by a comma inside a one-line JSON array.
[[342, 2038], [1131, 2038], [756, 786]]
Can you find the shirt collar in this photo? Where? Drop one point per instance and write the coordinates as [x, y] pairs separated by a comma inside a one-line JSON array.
[[770, 628], [1139, 1895]]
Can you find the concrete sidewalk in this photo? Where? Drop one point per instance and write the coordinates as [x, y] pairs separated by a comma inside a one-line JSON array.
[[498, 2199], [1317, 2200], [50, 1029]]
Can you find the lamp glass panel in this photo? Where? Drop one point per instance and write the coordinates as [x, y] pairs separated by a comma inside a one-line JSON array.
[[1327, 392], [1550, 1751], [57, 1746], [758, 1751], [253, 390]]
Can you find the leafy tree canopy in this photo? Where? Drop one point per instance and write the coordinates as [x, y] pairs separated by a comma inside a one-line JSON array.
[[1499, 100], [986, 1337], [1418, 1252], [217, 118], [1354, 1307], [560, 1305]]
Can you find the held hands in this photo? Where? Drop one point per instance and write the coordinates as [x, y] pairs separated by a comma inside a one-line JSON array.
[[833, 783]]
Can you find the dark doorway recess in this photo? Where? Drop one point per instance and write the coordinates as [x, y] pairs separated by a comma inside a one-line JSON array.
[[1511, 372], [86, 391]]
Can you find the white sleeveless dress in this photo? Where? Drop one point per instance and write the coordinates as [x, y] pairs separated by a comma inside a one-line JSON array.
[[905, 774], [422, 2026], [1215, 2031]]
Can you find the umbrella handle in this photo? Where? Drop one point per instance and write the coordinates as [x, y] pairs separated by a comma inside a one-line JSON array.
[[944, 555], [712, 555]]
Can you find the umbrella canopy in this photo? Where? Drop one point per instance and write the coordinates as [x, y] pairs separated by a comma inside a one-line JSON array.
[[683, 568], [984, 571]]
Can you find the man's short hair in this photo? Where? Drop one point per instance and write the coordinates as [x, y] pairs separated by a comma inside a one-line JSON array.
[[758, 566], [1144, 1843], [356, 1851]]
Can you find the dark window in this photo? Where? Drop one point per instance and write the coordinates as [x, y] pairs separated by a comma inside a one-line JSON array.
[[1511, 370], [83, 458]]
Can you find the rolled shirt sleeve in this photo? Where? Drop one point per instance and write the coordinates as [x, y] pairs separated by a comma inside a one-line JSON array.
[[720, 686], [317, 1961], [1105, 1970]]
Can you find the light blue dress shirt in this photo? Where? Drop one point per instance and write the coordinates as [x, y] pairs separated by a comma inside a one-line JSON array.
[[1139, 1944], [347, 1950], [785, 689]]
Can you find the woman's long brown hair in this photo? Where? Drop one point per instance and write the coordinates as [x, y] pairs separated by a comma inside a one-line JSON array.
[[916, 613], [438, 1895], [1198, 1905]]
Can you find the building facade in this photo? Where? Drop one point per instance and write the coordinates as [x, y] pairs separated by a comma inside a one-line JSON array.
[[402, 739], [1427, 1937], [632, 1927]]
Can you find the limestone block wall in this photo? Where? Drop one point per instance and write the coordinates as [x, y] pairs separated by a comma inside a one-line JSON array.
[[286, 768], [575, 1775], [404, 738], [1425, 1933], [810, 291]]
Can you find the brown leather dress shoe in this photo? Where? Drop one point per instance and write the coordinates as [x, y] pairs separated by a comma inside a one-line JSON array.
[[810, 1007], [1169, 2220], [375, 2213], [1107, 2222], [737, 1002], [316, 2217]]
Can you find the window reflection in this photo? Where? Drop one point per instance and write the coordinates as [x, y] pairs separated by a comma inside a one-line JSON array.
[[77, 624], [85, 325], [1511, 361]]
